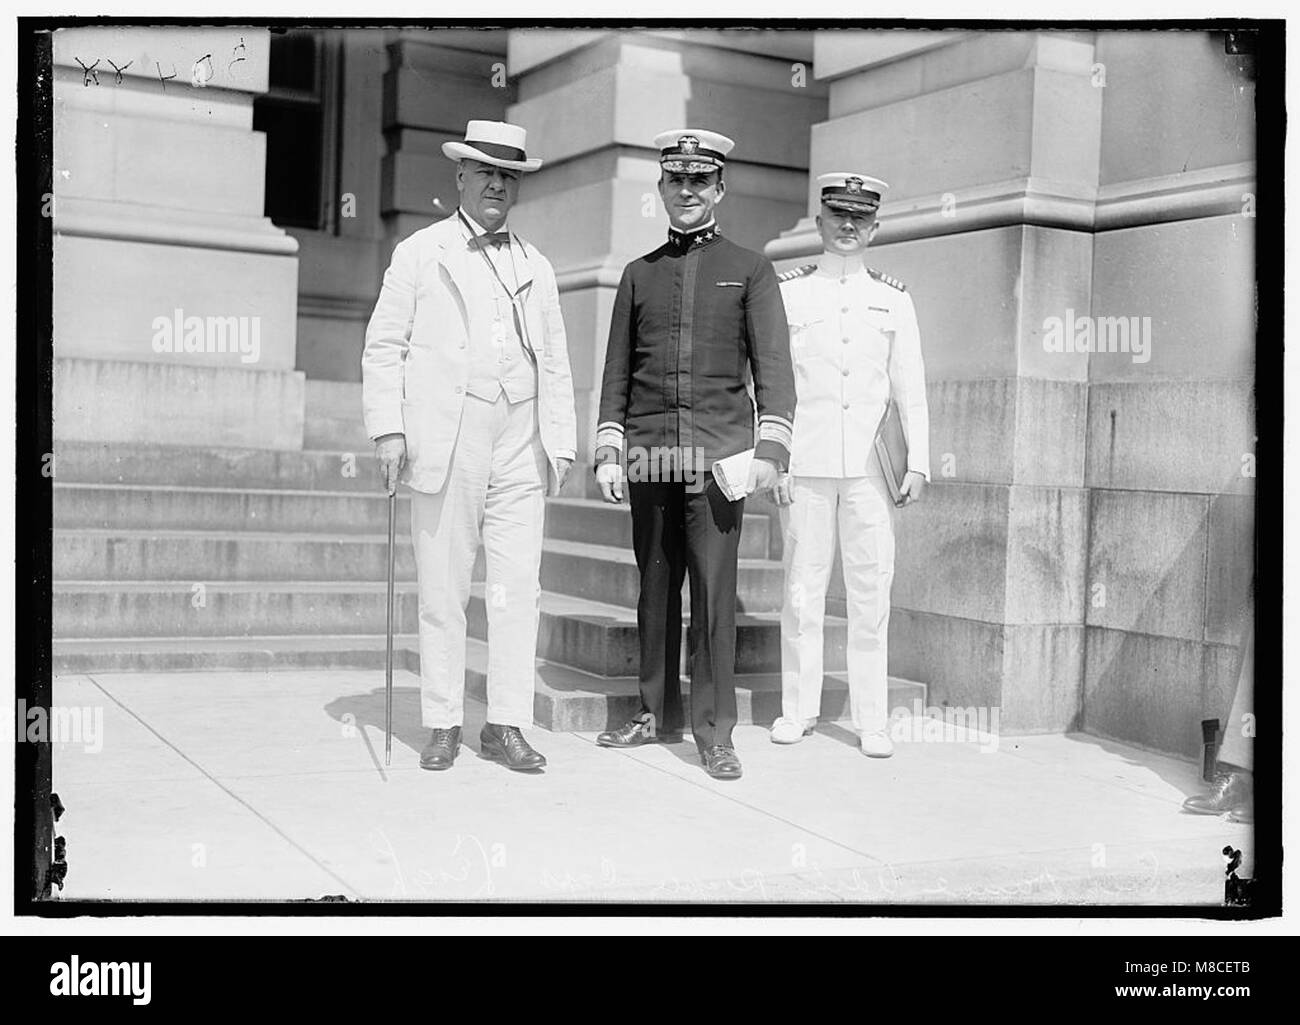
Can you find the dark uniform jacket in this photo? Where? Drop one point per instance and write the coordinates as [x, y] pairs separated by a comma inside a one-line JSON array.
[[692, 321]]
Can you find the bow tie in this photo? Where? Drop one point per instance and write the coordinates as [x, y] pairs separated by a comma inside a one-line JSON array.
[[490, 238]]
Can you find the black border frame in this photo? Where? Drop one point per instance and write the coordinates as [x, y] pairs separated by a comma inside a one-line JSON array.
[[33, 491]]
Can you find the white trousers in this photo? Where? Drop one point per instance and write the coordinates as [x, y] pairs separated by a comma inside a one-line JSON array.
[[496, 492], [861, 509]]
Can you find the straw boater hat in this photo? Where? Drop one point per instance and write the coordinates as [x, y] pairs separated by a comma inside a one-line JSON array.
[[493, 142]]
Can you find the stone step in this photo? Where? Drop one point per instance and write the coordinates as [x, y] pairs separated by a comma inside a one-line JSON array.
[[197, 466], [760, 503], [189, 556], [570, 700], [590, 636], [333, 420], [600, 572], [325, 469], [152, 508], [602, 639], [758, 507], [146, 507], [596, 638], [566, 699], [86, 609], [129, 402], [187, 654], [596, 522], [608, 574]]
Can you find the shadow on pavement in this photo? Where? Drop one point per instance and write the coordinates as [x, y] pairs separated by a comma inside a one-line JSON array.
[[365, 712]]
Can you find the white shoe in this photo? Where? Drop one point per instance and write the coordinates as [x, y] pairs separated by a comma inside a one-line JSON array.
[[791, 731], [877, 745]]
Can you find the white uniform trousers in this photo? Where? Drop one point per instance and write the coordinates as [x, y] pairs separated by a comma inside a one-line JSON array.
[[864, 513], [496, 491]]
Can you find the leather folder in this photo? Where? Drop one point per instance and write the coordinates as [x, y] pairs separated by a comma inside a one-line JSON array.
[[891, 450]]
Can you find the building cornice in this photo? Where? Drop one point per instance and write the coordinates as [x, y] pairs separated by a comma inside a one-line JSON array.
[[138, 222], [605, 274], [1208, 192]]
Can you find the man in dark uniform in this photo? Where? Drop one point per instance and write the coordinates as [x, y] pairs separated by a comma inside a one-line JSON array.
[[693, 322]]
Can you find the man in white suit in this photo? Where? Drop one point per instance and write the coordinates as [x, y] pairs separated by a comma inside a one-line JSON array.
[[469, 398], [855, 344]]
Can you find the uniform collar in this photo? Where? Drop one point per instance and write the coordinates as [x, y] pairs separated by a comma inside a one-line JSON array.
[[841, 266], [695, 237]]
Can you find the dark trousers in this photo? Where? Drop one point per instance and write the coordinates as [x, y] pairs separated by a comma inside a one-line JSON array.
[[676, 531]]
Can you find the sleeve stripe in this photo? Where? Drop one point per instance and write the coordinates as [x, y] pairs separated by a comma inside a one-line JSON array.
[[609, 434], [777, 433]]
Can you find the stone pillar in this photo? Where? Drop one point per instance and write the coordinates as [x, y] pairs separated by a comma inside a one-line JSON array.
[[1170, 441], [1021, 199], [158, 193], [340, 265], [402, 93], [593, 102], [437, 80]]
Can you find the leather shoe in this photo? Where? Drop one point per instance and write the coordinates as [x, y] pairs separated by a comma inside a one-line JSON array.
[[720, 762], [1230, 792], [635, 733], [506, 744], [441, 749]]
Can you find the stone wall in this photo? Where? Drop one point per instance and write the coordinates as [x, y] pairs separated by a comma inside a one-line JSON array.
[[594, 101], [1082, 557], [157, 206], [401, 94]]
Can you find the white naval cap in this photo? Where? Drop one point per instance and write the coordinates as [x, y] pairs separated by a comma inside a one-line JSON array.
[[848, 190], [692, 150]]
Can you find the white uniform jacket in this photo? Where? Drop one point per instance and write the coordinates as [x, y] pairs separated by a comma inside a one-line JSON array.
[[415, 365], [854, 341]]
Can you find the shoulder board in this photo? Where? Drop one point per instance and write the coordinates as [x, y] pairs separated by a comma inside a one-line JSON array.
[[887, 279], [796, 272]]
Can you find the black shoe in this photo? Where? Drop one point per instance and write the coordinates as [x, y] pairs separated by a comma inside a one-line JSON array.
[[1231, 792], [506, 744], [441, 749], [720, 762], [637, 732]]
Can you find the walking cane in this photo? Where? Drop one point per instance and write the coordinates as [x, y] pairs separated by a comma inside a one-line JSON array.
[[388, 659]]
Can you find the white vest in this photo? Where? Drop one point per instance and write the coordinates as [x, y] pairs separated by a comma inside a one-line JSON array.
[[497, 359], [853, 341]]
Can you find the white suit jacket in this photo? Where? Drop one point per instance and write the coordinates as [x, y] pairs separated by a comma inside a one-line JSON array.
[[416, 361], [854, 342]]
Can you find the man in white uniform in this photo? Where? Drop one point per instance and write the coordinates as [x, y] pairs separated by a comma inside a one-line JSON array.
[[854, 342], [469, 399]]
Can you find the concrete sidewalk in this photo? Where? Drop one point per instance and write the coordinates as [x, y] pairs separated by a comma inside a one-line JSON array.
[[271, 786]]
